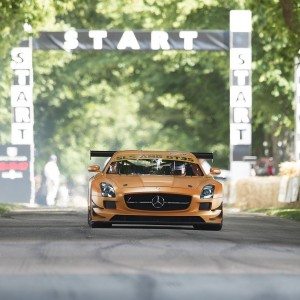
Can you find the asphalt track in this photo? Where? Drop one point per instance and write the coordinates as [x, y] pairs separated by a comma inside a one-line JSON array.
[[51, 254]]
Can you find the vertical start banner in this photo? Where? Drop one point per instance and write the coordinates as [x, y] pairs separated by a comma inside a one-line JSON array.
[[17, 159], [240, 92], [21, 96]]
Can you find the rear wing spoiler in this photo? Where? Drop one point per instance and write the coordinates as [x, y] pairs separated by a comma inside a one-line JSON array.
[[96, 153], [204, 155]]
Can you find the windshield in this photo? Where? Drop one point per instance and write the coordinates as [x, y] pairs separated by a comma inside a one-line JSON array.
[[154, 167]]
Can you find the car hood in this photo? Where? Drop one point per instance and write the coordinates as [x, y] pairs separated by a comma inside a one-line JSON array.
[[152, 180]]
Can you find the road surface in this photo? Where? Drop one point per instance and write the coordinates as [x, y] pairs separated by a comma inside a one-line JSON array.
[[52, 254]]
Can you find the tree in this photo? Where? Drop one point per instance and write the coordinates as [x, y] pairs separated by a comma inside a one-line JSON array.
[[14, 14], [276, 35], [163, 100]]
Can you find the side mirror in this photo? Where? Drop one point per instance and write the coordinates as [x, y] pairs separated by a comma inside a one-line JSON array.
[[215, 171], [94, 168]]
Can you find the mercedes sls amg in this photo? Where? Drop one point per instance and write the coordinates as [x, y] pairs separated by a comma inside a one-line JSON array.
[[154, 187]]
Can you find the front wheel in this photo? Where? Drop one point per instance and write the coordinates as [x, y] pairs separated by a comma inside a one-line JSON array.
[[212, 227], [89, 219]]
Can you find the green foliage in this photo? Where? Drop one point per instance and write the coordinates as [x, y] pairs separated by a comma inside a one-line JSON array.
[[14, 14], [291, 213], [275, 45], [159, 100], [6, 208], [85, 112], [3, 209]]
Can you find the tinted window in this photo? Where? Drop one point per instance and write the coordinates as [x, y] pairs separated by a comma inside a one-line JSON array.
[[154, 167]]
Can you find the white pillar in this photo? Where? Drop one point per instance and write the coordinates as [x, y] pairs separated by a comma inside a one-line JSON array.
[[240, 92]]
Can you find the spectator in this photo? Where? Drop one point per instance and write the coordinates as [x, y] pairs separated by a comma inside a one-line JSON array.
[[52, 175]]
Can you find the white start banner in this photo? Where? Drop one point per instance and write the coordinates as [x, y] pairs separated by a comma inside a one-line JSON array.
[[21, 96], [82, 40]]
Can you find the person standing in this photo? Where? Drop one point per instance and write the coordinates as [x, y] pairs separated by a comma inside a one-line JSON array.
[[52, 175]]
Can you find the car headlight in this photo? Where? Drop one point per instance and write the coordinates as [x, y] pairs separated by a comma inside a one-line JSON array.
[[107, 190], [207, 192]]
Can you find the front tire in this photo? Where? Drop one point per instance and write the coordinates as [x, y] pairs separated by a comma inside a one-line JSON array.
[[89, 219]]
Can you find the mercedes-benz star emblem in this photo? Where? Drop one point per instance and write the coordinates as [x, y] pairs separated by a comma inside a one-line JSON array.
[[158, 201]]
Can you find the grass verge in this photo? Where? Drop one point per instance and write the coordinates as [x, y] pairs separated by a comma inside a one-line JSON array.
[[288, 213], [5, 208]]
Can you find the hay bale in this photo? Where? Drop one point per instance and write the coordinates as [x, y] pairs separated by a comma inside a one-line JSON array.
[[257, 192], [289, 168]]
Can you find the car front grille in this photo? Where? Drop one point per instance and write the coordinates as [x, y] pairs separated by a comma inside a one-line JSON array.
[[157, 201]]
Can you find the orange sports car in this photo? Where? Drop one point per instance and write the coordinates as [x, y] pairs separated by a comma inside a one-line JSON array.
[[154, 187]]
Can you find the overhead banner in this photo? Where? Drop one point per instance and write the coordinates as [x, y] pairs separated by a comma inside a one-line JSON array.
[[15, 183], [240, 92], [212, 40]]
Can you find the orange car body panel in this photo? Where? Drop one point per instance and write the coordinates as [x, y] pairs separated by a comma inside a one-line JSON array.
[[165, 184]]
